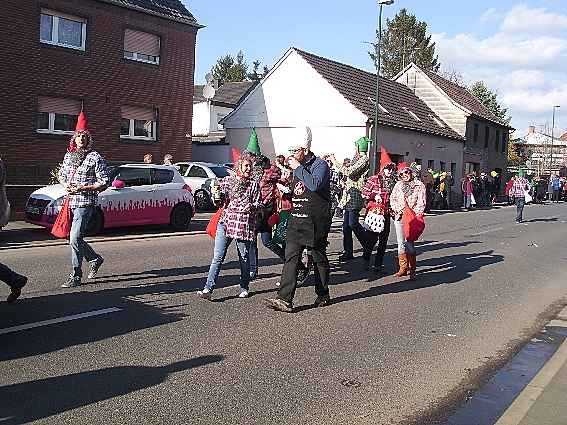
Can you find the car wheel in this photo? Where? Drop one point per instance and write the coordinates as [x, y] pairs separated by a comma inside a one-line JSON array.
[[96, 223], [203, 201], [181, 216]]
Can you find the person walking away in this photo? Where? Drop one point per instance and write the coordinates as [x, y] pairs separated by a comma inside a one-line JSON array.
[[352, 198], [376, 191], [14, 280], [556, 186], [84, 175], [467, 189], [518, 193], [411, 193], [309, 225], [240, 194]]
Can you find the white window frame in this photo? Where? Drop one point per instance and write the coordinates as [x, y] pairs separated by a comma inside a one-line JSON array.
[[135, 58], [51, 125], [55, 32], [131, 136]]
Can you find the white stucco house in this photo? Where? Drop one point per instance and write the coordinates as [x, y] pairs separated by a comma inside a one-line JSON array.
[[337, 102], [543, 152]]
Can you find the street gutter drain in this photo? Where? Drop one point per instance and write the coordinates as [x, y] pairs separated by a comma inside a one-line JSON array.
[[350, 383]]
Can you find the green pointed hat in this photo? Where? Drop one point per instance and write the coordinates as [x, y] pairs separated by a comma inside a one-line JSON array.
[[362, 144], [253, 145]]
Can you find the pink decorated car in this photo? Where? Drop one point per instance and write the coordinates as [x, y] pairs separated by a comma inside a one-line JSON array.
[[140, 194]]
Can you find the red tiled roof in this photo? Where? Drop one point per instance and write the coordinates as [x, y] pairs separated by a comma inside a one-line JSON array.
[[228, 93], [359, 88], [173, 9], [464, 98]]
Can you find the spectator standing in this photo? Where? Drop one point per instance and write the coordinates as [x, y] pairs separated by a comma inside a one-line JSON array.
[[518, 193], [84, 175], [556, 187]]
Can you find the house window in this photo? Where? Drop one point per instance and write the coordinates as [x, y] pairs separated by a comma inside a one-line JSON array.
[[431, 164], [504, 142], [141, 46], [486, 136], [453, 169], [57, 116], [138, 123], [497, 141], [62, 30], [442, 166], [475, 134]]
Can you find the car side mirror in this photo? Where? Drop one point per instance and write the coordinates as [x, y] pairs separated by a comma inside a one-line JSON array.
[[118, 184]]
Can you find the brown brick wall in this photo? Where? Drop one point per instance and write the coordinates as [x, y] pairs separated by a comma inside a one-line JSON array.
[[99, 76]]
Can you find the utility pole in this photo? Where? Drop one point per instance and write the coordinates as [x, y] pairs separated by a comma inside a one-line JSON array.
[[552, 136]]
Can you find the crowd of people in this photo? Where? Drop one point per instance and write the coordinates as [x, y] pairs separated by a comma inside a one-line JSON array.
[[289, 203]]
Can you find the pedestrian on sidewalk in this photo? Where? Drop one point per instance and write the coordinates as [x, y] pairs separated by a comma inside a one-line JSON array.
[[14, 280], [376, 191], [309, 224], [411, 193], [84, 175], [518, 193], [556, 187], [352, 200], [240, 194]]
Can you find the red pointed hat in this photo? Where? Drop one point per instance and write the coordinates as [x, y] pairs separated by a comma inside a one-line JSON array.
[[384, 158], [235, 153], [402, 166], [82, 123]]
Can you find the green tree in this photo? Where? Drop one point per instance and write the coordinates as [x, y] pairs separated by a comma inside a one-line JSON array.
[[229, 69], [489, 99], [517, 154], [405, 40]]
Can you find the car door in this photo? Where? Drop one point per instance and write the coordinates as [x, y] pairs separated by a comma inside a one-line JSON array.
[[130, 205], [165, 195], [196, 177]]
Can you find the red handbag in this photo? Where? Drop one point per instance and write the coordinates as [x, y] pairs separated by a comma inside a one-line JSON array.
[[414, 225], [62, 226], [213, 223]]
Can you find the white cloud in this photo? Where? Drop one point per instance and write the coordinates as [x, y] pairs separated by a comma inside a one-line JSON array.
[[523, 62], [524, 19]]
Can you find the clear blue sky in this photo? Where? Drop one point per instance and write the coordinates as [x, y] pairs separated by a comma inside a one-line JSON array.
[[521, 57]]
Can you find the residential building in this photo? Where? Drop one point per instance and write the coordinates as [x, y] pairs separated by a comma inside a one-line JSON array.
[[129, 64], [543, 154], [209, 143], [485, 135], [337, 102]]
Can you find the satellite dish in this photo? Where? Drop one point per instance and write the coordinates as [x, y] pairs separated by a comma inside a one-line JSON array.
[[209, 92], [209, 78]]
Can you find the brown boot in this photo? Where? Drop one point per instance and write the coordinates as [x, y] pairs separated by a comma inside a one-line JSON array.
[[403, 260], [411, 265]]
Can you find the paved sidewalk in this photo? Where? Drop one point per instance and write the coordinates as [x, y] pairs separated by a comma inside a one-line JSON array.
[[544, 400]]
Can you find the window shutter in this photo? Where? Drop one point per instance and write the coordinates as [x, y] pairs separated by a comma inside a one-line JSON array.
[[141, 42], [59, 106], [138, 113], [63, 15]]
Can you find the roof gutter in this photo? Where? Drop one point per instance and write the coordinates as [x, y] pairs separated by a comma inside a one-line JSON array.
[[459, 138], [154, 13]]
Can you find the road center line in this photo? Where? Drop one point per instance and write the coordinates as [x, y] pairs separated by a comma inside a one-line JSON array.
[[58, 320]]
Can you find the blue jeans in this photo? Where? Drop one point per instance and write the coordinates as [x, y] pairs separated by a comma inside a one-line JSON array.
[[520, 202], [222, 242], [79, 248], [404, 246], [351, 224], [268, 243]]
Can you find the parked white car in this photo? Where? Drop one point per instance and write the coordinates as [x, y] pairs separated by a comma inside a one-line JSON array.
[[199, 176], [140, 194]]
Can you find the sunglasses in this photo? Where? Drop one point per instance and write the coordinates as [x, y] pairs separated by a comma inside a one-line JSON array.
[[405, 172]]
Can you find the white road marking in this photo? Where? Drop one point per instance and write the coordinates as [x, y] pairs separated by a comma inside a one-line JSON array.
[[58, 320], [487, 231]]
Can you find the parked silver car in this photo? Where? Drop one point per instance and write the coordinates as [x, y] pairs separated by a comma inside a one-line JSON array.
[[199, 176]]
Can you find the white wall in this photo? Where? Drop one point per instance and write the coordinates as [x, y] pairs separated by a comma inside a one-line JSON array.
[[215, 112], [201, 119]]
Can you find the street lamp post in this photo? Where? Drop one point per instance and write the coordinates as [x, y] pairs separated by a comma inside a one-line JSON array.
[[374, 162], [552, 136]]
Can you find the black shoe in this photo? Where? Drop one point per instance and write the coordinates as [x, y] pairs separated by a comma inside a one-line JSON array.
[[279, 305], [95, 266], [72, 282], [345, 257], [17, 289], [322, 301]]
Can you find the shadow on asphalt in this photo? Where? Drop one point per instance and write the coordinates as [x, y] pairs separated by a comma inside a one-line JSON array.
[[43, 398]]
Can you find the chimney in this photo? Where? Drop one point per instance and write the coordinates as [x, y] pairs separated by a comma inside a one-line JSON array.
[[531, 129]]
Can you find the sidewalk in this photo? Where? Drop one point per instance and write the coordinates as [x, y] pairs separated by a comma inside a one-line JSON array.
[[544, 400]]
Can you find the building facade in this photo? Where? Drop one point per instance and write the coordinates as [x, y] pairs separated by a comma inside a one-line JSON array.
[[128, 64], [544, 154]]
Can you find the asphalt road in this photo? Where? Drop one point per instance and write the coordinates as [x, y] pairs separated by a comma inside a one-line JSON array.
[[385, 352]]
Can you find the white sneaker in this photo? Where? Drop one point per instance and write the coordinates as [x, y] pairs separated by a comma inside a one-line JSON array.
[[205, 294], [243, 294]]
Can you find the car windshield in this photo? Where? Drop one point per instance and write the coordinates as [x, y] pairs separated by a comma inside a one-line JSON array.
[[220, 172]]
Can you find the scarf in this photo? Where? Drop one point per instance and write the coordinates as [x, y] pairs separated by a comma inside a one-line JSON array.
[[408, 188], [78, 156]]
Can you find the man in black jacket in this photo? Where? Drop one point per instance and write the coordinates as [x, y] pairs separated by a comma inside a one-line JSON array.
[[309, 225]]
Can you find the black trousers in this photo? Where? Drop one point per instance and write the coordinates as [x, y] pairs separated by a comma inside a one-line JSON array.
[[293, 252], [10, 277], [382, 239]]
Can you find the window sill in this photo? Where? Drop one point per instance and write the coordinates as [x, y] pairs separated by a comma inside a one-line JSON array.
[[65, 46], [139, 140], [55, 132], [141, 61]]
